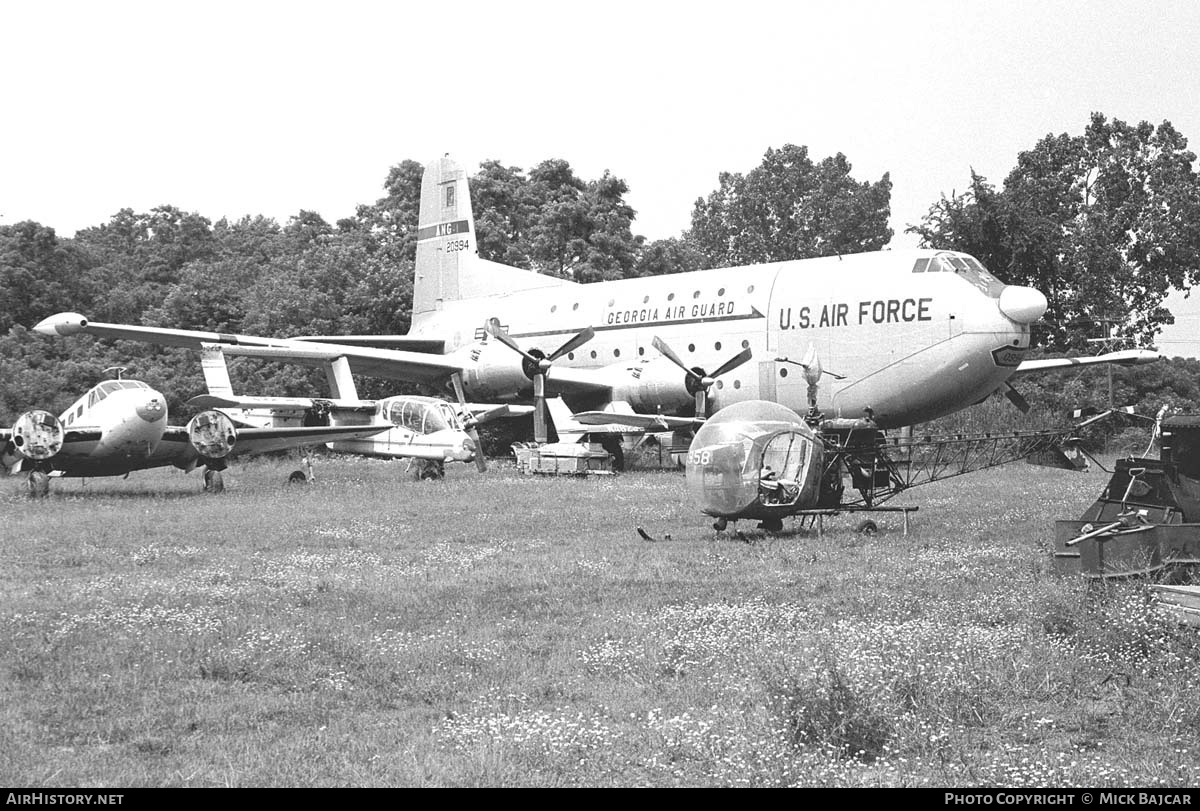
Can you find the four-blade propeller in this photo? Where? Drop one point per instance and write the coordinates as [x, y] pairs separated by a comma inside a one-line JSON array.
[[536, 363]]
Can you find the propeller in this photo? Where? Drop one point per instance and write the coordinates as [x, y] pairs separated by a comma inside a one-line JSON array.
[[469, 422], [535, 364], [1015, 397], [697, 381]]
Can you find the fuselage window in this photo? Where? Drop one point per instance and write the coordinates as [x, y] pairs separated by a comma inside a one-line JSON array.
[[921, 265]]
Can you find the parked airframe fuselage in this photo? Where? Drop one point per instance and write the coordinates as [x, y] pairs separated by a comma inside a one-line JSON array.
[[916, 334]]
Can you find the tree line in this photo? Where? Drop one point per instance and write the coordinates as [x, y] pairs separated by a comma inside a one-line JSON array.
[[1105, 223]]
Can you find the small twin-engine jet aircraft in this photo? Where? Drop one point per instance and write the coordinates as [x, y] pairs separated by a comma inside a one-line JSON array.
[[428, 430], [121, 425], [912, 334]]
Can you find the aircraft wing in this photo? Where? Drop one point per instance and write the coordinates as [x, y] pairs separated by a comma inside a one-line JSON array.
[[392, 364], [498, 411], [279, 403], [405, 342], [70, 435], [262, 440], [647, 422], [1125, 357]]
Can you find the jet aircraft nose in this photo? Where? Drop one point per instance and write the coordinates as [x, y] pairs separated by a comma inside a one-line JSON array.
[[1022, 304], [153, 408]]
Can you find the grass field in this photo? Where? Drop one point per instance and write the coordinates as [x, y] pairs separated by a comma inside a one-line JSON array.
[[494, 629]]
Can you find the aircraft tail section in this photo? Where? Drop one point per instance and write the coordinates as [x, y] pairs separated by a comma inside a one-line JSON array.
[[216, 372], [445, 236], [448, 265]]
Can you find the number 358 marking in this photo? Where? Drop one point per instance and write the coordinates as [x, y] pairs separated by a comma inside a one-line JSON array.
[[457, 245], [699, 457]]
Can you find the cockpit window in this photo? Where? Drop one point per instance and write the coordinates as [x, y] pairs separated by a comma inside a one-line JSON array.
[[962, 265], [422, 417]]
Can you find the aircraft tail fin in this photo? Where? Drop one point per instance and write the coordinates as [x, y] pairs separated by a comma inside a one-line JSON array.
[[445, 236], [216, 372], [448, 266]]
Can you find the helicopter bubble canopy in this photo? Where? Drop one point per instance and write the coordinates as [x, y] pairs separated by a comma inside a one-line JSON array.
[[754, 459]]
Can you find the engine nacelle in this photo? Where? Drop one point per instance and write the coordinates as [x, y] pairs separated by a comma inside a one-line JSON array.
[[36, 435], [658, 386], [211, 434]]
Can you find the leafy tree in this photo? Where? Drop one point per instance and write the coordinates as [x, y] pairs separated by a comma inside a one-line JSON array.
[[791, 208], [39, 275], [671, 255], [1105, 224]]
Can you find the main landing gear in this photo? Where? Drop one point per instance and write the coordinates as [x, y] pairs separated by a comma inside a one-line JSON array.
[[213, 482], [304, 475], [38, 484]]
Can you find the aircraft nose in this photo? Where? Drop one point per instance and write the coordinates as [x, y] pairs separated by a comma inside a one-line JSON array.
[[468, 447], [1022, 304], [152, 409]]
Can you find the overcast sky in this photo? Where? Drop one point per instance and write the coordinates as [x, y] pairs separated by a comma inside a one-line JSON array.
[[255, 107]]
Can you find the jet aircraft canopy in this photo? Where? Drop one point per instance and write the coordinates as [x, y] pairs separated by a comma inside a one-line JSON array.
[[754, 459]]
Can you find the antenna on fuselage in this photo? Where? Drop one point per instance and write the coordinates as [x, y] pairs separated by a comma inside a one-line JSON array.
[[812, 373], [115, 371]]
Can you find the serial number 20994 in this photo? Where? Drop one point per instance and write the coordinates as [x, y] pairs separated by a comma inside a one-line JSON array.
[[457, 245]]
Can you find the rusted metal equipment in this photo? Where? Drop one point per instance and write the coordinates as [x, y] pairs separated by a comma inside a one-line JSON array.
[[1147, 519]]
